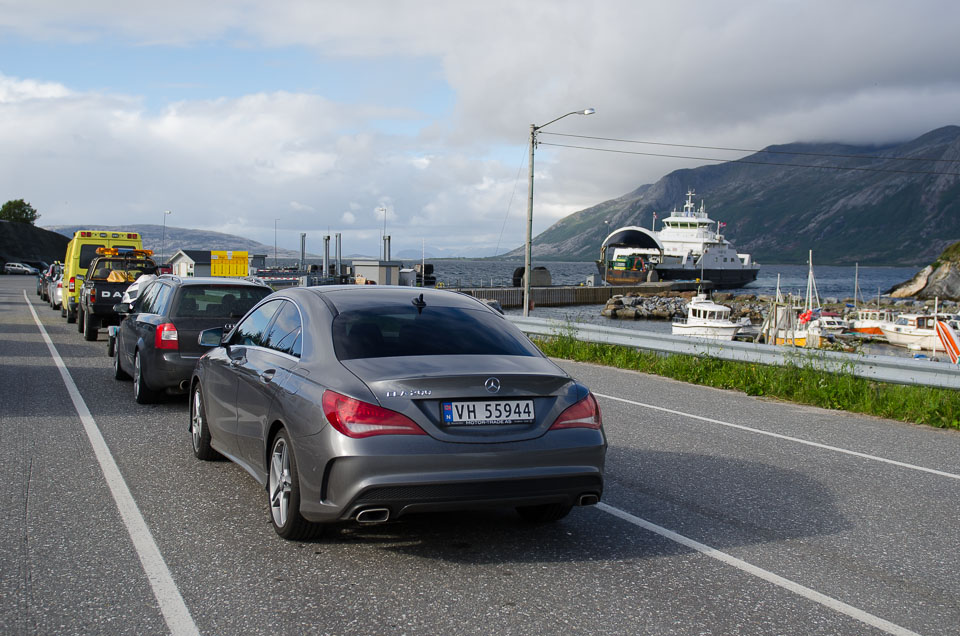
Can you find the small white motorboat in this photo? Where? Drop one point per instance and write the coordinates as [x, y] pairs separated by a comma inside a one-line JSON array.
[[706, 319]]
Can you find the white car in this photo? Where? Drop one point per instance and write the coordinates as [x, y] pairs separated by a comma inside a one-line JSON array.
[[19, 268]]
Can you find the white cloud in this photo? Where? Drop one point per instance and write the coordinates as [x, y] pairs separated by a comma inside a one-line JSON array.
[[746, 74]]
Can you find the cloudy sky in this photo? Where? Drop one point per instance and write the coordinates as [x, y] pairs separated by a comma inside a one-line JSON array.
[[316, 115]]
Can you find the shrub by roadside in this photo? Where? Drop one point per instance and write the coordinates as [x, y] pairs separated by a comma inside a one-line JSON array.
[[802, 383]]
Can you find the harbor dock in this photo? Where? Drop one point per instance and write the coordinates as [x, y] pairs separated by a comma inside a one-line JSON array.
[[562, 296]]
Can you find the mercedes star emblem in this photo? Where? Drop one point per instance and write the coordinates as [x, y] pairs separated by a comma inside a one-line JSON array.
[[492, 385]]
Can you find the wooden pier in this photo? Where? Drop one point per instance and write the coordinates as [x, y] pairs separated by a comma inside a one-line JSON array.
[[560, 296]]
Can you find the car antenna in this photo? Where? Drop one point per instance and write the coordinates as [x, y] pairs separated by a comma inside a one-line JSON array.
[[419, 303]]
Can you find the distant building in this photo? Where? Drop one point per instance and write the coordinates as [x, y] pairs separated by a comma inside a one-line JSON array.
[[191, 263], [257, 262]]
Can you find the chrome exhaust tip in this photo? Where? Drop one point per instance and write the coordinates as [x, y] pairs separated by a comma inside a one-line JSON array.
[[371, 516], [588, 500]]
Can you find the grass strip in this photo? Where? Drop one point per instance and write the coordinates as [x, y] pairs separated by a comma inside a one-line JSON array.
[[800, 381]]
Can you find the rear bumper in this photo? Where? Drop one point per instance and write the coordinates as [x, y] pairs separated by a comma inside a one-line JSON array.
[[559, 467], [166, 370], [104, 313]]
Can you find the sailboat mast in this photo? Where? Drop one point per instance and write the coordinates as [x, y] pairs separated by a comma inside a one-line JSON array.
[[856, 283]]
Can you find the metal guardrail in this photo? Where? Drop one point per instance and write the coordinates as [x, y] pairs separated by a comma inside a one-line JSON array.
[[881, 368]]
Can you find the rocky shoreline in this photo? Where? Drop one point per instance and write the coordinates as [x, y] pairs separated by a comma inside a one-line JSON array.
[[634, 306]]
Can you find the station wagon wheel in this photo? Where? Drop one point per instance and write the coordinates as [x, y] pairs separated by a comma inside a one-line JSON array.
[[118, 372], [199, 430], [283, 493], [141, 392]]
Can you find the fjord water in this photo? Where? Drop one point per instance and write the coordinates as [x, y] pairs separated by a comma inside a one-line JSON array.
[[832, 281]]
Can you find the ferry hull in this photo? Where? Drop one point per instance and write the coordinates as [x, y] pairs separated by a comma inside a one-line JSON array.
[[721, 278]]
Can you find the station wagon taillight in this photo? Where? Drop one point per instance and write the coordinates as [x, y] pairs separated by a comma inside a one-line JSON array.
[[356, 419], [166, 337]]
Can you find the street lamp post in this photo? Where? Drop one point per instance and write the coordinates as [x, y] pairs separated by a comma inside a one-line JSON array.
[[275, 243], [163, 236], [529, 242]]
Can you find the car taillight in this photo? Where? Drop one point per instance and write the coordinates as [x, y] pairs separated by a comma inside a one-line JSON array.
[[583, 414], [59, 284], [166, 337], [356, 419], [73, 284]]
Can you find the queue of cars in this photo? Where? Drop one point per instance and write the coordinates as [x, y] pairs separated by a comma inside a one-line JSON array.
[[363, 403]]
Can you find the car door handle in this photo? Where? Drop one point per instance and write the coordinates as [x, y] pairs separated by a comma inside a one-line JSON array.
[[267, 375]]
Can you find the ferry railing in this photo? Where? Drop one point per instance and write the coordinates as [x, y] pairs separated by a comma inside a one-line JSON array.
[[874, 367]]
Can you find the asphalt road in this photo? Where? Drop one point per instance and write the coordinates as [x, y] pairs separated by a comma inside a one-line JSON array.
[[723, 514]]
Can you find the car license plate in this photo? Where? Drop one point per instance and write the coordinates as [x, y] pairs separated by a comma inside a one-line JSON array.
[[477, 413]]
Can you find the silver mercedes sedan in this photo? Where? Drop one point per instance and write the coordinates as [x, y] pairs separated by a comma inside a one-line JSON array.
[[365, 403]]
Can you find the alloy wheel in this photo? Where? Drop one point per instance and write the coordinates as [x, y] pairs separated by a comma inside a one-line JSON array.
[[280, 483], [196, 420]]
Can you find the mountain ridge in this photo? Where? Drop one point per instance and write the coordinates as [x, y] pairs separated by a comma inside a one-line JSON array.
[[872, 204]]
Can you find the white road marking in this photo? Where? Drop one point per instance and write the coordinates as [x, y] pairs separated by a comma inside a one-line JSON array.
[[770, 577], [798, 440], [174, 610]]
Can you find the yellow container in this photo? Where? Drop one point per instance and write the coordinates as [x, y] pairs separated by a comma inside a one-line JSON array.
[[228, 263]]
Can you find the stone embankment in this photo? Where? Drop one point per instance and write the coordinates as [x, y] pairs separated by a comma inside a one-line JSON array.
[[666, 307]]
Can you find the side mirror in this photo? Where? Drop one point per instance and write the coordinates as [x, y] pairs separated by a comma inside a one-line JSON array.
[[123, 308], [211, 337]]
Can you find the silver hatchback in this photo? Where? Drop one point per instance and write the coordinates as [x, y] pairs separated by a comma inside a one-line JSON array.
[[367, 403]]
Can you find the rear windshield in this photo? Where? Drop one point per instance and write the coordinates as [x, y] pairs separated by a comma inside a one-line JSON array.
[[393, 330], [218, 301], [120, 270], [89, 251]]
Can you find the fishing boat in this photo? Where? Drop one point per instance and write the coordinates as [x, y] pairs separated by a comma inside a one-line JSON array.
[[949, 339], [686, 248], [795, 325], [870, 321], [917, 331], [706, 319], [831, 322]]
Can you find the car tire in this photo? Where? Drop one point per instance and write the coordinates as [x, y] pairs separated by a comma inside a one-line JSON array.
[[71, 316], [118, 372], [111, 346], [544, 513], [141, 392], [63, 310], [91, 328], [283, 492], [81, 315], [199, 430]]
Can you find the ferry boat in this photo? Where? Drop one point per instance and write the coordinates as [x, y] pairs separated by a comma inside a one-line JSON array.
[[686, 248], [706, 319]]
